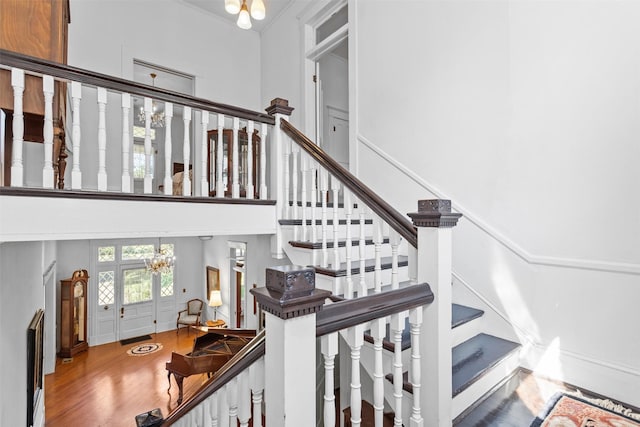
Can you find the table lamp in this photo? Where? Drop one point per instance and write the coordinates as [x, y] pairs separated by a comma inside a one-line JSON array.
[[215, 301]]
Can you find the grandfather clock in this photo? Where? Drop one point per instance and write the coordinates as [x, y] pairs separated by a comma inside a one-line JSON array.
[[73, 314]]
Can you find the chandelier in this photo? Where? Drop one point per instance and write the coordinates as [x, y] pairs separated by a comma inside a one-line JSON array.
[[160, 263], [157, 118], [244, 21]]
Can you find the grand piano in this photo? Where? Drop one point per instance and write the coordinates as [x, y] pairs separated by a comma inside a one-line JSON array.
[[210, 352]]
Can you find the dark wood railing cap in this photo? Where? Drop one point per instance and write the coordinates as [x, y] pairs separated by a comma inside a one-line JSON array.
[[435, 213], [279, 106], [290, 292]]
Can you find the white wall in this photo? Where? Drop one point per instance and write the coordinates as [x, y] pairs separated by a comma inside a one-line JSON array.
[[525, 114]]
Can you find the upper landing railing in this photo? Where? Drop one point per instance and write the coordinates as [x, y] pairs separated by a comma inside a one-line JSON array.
[[113, 148]]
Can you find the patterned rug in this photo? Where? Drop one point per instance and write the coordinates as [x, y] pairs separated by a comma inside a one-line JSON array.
[[564, 410], [144, 349]]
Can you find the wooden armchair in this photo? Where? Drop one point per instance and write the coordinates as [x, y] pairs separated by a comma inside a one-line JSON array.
[[190, 316]]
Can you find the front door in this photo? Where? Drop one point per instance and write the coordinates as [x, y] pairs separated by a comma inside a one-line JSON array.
[[137, 309]]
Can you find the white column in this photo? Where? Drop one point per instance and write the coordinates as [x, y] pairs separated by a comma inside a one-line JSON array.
[[335, 189], [415, 320], [186, 152], [250, 187], [204, 182], [329, 349], [235, 184], [17, 168], [220, 184], [148, 176], [47, 131], [256, 378], [102, 139], [76, 174], [263, 161], [168, 149], [126, 143]]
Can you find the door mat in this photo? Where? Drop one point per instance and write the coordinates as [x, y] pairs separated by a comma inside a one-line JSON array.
[[577, 411], [144, 349], [135, 339]]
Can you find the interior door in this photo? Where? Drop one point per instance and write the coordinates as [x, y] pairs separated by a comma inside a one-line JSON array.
[[137, 309]]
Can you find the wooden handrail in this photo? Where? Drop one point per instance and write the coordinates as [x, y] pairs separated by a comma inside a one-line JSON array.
[[352, 312], [242, 360], [42, 66], [381, 208]]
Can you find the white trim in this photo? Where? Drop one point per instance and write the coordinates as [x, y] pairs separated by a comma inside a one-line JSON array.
[[327, 45], [584, 264]]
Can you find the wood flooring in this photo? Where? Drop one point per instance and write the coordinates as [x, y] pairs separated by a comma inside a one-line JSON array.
[[106, 387]]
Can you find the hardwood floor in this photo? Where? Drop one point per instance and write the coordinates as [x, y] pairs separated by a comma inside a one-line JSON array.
[[104, 386]]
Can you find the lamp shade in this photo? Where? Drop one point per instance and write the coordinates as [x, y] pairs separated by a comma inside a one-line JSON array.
[[215, 299], [244, 20], [257, 10], [232, 6]]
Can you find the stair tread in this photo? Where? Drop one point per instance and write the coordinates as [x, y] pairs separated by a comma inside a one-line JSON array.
[[354, 221], [385, 263], [461, 314], [474, 357], [341, 243]]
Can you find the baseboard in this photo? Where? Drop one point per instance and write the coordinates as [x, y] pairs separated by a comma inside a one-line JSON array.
[[616, 382]]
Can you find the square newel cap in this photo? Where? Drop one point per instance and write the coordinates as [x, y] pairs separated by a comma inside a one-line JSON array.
[[279, 106], [434, 213], [290, 292]]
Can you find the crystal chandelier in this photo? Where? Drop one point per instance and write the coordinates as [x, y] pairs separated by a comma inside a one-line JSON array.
[[157, 118], [244, 21], [160, 263]]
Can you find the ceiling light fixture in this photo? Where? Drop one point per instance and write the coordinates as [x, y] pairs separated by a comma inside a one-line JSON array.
[[157, 118], [258, 11], [160, 263]]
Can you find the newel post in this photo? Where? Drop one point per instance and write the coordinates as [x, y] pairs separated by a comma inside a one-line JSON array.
[[435, 221], [279, 109], [290, 301]]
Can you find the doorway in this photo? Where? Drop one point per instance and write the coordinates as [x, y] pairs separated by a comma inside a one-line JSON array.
[[237, 279]]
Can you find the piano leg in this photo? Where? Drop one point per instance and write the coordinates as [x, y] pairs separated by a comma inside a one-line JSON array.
[[179, 379]]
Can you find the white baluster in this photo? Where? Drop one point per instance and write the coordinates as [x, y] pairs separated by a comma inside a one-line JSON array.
[[204, 155], [295, 152], [102, 139], [378, 331], [263, 161], [17, 168], [362, 291], [220, 184], [126, 143], [197, 415], [235, 160], [223, 407], [250, 187], [186, 152], [377, 245], [394, 240], [148, 148], [304, 170], [329, 349], [314, 198], [213, 408], [232, 399], [412, 256], [396, 327], [286, 147], [324, 186], [355, 340], [47, 132], [415, 320], [206, 412], [244, 399], [335, 189], [348, 209], [256, 376], [168, 147], [76, 174]]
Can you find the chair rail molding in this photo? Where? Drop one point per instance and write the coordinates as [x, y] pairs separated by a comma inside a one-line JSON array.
[[549, 261]]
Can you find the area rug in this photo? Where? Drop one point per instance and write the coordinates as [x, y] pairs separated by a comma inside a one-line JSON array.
[[144, 349], [135, 339], [567, 410]]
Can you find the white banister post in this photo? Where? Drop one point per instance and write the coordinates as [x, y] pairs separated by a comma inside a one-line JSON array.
[[304, 170], [263, 161], [355, 339], [220, 157], [186, 153], [232, 399], [213, 409], [250, 189], [378, 331], [324, 189], [244, 399], [204, 182], [335, 190], [434, 221], [168, 149], [102, 139], [17, 167], [348, 207], [291, 301], [329, 349], [394, 240], [377, 245], [279, 109], [295, 153], [396, 326], [235, 184], [256, 375], [126, 143], [47, 132], [148, 177], [76, 174], [415, 377]]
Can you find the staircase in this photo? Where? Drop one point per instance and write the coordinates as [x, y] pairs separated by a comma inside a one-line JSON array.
[[480, 360]]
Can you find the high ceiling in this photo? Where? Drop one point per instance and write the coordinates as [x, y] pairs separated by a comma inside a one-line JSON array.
[[216, 7]]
